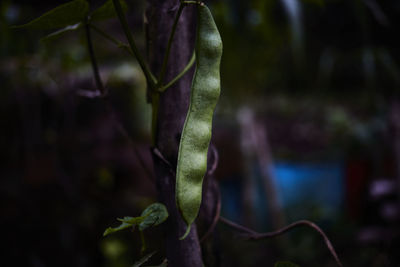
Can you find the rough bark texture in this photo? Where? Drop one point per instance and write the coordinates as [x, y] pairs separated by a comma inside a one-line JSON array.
[[172, 112]]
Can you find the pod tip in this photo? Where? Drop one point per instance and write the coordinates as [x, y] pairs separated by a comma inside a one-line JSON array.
[[186, 233]]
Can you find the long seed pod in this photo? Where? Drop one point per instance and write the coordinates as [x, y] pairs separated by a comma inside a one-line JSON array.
[[196, 134]]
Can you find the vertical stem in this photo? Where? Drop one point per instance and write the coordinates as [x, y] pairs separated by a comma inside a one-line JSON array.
[[95, 67], [111, 39], [156, 96], [149, 76], [168, 50], [155, 101], [171, 113]]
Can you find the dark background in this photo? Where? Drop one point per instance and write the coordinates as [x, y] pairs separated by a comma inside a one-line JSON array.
[[324, 86]]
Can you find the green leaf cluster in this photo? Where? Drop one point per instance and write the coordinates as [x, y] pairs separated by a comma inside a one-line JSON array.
[[153, 215]]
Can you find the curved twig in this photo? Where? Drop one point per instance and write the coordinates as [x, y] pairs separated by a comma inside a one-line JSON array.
[[215, 161], [183, 72], [95, 68], [237, 226], [124, 23], [169, 44], [158, 153], [252, 235]]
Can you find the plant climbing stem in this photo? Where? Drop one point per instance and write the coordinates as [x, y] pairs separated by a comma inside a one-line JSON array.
[[152, 81], [171, 113], [169, 44], [160, 88], [177, 77], [155, 102], [168, 50], [111, 39], [93, 60]]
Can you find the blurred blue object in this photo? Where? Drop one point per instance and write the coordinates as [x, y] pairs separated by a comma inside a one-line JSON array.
[[231, 205], [311, 190]]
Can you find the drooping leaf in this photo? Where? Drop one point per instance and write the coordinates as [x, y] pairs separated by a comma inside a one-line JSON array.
[[143, 259], [122, 226], [153, 215], [62, 16], [60, 32], [285, 264], [107, 11]]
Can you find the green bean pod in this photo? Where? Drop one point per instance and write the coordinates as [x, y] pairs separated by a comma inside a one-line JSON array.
[[196, 134]]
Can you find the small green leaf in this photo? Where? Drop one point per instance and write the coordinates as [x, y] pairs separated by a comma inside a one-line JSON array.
[[153, 215], [60, 32], [67, 14], [285, 264], [107, 11], [123, 226], [143, 259]]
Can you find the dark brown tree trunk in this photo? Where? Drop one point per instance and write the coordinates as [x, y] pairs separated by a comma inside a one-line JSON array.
[[173, 106]]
